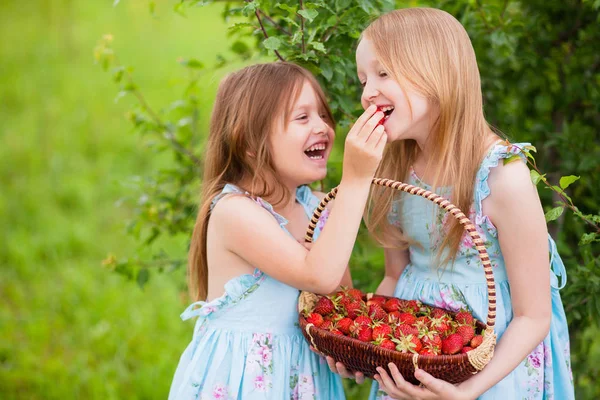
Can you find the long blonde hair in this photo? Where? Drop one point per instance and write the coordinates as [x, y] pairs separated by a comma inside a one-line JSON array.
[[430, 50], [248, 106]]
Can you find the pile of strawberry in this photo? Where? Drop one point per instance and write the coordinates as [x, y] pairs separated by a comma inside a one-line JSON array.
[[407, 326]]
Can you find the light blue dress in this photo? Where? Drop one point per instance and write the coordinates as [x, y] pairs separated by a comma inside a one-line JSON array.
[[543, 374], [247, 343]]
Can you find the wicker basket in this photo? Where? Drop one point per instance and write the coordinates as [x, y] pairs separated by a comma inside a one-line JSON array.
[[365, 357]]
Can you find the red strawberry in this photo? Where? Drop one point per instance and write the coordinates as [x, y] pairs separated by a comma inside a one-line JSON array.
[[376, 300], [324, 306], [438, 313], [353, 308], [382, 119], [391, 305], [394, 317], [337, 332], [412, 306], [440, 325], [408, 319], [364, 333], [386, 344], [404, 330], [376, 312], [327, 324], [465, 349], [431, 338], [427, 352], [363, 320], [476, 341], [452, 344], [381, 331], [464, 317], [408, 344], [355, 293], [344, 325], [315, 319], [467, 332]]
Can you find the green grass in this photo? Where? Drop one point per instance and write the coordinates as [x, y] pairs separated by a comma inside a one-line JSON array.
[[69, 328]]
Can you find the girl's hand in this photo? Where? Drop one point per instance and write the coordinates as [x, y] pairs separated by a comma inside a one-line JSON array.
[[431, 388], [340, 369], [364, 146]]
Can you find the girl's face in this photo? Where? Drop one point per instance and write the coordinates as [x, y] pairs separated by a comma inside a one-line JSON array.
[[301, 146], [381, 89]]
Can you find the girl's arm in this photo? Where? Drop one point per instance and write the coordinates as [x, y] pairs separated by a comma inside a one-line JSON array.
[[515, 209], [395, 262], [253, 234]]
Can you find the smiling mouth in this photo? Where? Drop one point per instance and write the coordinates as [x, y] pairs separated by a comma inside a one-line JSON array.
[[387, 111], [316, 151]]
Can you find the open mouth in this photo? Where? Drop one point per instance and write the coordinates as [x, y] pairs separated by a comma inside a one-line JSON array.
[[387, 111], [316, 151]]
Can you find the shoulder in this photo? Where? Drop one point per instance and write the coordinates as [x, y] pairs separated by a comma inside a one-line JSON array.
[[237, 208], [320, 196], [511, 178]]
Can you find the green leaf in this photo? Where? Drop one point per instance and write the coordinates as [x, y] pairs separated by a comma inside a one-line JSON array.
[[554, 214], [240, 48], [588, 238], [285, 7], [191, 63], [535, 176], [565, 181], [143, 276], [530, 148], [318, 46], [272, 43], [152, 7], [326, 70], [309, 14], [512, 158]]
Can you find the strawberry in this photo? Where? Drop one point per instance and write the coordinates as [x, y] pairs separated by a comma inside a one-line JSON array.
[[364, 333], [376, 312], [464, 317], [385, 343], [412, 306], [352, 308], [355, 293], [394, 317], [403, 330], [327, 324], [337, 332], [344, 325], [476, 341], [465, 349], [382, 119], [408, 319], [392, 305], [324, 306], [440, 325], [428, 352], [408, 344], [381, 331], [467, 332], [431, 338], [438, 313], [315, 319], [363, 320], [452, 344], [376, 300]]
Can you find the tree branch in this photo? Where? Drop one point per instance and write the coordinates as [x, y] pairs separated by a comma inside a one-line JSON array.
[[274, 23], [262, 27]]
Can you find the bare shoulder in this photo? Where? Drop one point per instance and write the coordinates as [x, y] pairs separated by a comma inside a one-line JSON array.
[[321, 196], [509, 182], [238, 209]]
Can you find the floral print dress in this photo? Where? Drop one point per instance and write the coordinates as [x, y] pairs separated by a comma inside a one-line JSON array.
[[543, 374], [247, 343]]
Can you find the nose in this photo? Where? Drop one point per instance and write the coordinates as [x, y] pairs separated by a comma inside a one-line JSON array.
[[369, 94], [321, 126]]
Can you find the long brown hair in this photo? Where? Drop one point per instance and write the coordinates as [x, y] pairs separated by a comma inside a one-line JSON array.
[[248, 107], [430, 50]]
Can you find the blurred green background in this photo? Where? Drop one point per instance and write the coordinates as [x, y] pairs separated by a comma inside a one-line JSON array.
[[69, 328]]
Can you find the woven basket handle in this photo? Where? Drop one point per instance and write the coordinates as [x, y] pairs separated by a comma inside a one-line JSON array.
[[445, 205]]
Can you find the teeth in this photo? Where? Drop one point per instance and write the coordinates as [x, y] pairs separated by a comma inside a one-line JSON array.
[[315, 157], [387, 108], [319, 146]]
